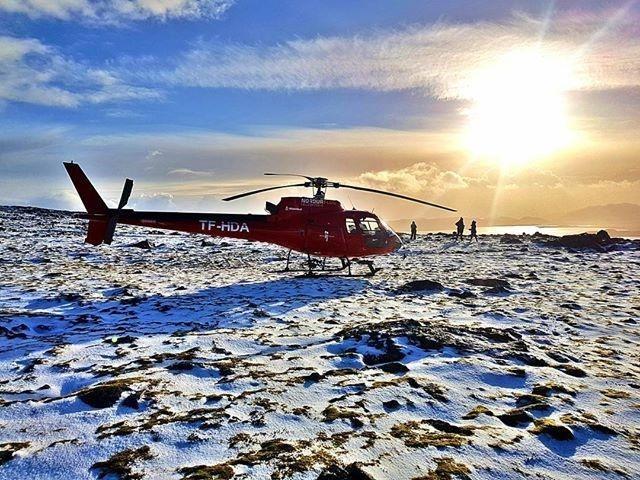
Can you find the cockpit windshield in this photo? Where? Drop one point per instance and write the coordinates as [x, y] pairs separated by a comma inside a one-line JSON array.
[[369, 225]]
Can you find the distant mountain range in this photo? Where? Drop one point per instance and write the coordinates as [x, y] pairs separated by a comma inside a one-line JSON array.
[[617, 216]]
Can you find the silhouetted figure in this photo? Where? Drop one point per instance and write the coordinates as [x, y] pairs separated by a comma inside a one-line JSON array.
[[460, 229], [414, 230], [474, 231]]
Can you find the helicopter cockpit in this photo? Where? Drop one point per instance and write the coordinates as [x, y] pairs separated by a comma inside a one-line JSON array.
[[374, 231]]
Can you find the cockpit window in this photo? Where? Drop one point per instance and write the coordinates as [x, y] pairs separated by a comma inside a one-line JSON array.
[[351, 225], [369, 225]]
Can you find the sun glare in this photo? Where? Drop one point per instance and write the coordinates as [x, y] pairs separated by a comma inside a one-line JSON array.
[[519, 109]]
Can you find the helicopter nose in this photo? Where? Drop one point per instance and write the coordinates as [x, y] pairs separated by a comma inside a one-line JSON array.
[[395, 240]]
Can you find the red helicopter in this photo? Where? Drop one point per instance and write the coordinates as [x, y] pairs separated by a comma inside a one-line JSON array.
[[311, 225]]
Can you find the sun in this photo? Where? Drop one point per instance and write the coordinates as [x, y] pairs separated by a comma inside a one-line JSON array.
[[519, 110]]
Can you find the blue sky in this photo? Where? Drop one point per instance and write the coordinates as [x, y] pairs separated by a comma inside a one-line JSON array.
[[195, 99]]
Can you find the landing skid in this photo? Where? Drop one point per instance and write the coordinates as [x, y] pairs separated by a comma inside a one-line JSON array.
[[318, 268]]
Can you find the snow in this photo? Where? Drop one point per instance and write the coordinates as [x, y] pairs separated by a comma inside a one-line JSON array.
[[220, 349]]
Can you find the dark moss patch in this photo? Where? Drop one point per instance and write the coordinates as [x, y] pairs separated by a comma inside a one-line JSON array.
[[415, 435], [447, 469], [476, 412], [596, 464], [206, 472], [554, 430], [571, 370], [447, 427], [121, 464], [332, 413], [548, 389]]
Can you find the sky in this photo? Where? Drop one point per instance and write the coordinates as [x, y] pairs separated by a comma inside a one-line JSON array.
[[496, 108]]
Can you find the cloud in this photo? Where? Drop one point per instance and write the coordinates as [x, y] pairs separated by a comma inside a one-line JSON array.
[[62, 200], [156, 201], [32, 72], [417, 178], [117, 11], [441, 60], [187, 172]]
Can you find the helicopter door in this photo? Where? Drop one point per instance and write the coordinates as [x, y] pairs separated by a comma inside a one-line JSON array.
[[324, 240], [353, 236]]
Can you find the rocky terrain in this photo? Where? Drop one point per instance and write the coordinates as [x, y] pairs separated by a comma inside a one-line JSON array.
[[514, 357]]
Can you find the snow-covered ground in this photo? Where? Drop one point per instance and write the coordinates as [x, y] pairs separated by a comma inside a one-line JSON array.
[[195, 360]]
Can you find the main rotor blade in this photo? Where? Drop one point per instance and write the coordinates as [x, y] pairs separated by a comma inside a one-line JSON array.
[[311, 179], [253, 192], [404, 197]]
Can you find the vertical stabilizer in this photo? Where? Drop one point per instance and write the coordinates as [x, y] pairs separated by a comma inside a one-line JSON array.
[[91, 199]]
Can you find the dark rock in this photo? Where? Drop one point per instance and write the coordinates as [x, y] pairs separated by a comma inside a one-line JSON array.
[[589, 241], [394, 367], [102, 396], [488, 282], [352, 471], [447, 427], [184, 366], [144, 244], [526, 400], [554, 430], [571, 306], [497, 291], [603, 237], [5, 456], [558, 357], [392, 352], [132, 401], [313, 377], [391, 405], [516, 417], [10, 334], [531, 360], [8, 450], [121, 340], [420, 286], [572, 370], [510, 239], [461, 293], [356, 422]]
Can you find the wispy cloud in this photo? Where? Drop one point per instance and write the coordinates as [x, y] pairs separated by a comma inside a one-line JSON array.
[[441, 59], [189, 173], [117, 11], [32, 72]]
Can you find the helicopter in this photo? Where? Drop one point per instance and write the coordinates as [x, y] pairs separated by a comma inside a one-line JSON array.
[[315, 226]]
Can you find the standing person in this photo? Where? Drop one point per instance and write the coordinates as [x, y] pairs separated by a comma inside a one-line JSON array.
[[414, 230], [460, 229], [474, 231]]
